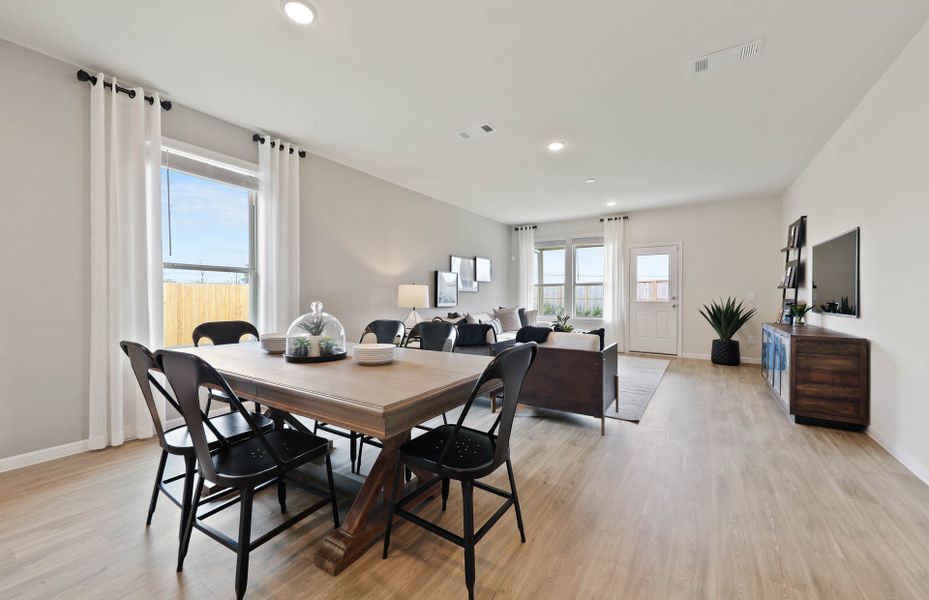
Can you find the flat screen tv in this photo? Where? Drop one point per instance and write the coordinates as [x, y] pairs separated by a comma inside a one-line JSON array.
[[835, 275]]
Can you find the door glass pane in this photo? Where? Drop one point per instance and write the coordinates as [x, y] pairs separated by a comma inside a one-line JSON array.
[[652, 277]]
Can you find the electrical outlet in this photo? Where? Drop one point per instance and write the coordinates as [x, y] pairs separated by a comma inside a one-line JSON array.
[[751, 340], [750, 297]]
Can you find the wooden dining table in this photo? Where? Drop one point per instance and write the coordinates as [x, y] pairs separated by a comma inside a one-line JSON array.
[[384, 401]]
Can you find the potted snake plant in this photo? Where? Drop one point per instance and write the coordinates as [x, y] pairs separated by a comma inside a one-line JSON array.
[[726, 318]]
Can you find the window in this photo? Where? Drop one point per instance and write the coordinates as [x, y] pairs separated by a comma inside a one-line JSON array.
[[652, 277], [588, 281], [569, 277], [551, 285], [208, 241]]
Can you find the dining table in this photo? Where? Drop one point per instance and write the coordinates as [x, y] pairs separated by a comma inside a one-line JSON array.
[[384, 401]]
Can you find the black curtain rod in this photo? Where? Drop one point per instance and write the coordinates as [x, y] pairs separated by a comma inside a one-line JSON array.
[[622, 218], [526, 227], [83, 75], [258, 138]]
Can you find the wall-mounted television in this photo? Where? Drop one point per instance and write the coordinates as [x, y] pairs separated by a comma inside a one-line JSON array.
[[835, 275]]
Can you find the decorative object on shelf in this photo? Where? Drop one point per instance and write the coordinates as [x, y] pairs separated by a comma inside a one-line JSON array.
[[793, 235], [799, 310], [561, 322], [467, 273], [446, 289], [787, 317], [413, 295], [789, 277], [315, 337], [483, 269], [726, 319]]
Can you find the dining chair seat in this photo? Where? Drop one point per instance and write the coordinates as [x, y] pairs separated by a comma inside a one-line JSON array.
[[230, 425], [249, 459], [471, 452]]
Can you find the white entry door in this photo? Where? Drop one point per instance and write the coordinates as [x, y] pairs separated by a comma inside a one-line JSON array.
[[653, 299]]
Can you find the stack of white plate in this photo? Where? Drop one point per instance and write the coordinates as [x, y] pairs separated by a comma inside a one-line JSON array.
[[373, 354], [274, 343]]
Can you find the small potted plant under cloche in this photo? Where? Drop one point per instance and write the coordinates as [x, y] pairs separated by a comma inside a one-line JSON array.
[[726, 319]]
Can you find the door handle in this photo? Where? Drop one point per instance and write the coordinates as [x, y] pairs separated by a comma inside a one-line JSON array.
[[674, 306]]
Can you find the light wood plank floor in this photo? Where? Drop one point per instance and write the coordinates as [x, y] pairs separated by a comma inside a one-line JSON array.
[[716, 494]]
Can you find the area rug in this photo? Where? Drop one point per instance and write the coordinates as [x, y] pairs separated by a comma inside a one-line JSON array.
[[638, 379]]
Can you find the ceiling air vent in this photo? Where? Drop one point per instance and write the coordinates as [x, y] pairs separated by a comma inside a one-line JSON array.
[[476, 131], [728, 57]]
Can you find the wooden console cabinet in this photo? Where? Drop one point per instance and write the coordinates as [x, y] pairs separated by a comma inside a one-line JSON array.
[[820, 376]]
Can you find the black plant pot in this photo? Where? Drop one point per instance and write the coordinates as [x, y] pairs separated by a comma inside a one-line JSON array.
[[726, 352]]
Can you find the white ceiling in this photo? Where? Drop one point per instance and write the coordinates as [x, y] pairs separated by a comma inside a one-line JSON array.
[[384, 86]]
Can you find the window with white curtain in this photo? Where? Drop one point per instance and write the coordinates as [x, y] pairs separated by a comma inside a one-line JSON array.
[[569, 276], [208, 241]]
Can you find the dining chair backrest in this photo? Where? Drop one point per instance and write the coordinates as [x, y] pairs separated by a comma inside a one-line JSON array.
[[223, 332], [386, 331], [510, 368], [187, 374], [142, 362], [435, 335]]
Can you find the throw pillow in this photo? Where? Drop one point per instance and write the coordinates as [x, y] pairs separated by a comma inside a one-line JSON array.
[[532, 317], [508, 317], [479, 318], [522, 318], [495, 323]]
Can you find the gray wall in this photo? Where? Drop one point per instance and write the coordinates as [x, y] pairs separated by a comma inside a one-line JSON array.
[[872, 174], [44, 161], [361, 237], [728, 248]]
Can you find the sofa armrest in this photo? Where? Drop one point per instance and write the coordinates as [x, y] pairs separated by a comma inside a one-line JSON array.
[[610, 376]]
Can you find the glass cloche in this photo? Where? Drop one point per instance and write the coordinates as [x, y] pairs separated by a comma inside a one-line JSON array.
[[316, 336]]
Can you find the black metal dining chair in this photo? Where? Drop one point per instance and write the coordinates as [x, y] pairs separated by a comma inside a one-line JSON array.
[[385, 331], [221, 333], [467, 455], [247, 465], [436, 336], [177, 441], [439, 336]]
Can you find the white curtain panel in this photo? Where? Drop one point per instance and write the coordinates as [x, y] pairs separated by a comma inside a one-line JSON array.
[[125, 257], [614, 277], [525, 240], [278, 236]]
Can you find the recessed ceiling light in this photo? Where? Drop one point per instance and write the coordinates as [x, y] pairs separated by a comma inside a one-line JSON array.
[[611, 203], [590, 180], [556, 146], [299, 11]]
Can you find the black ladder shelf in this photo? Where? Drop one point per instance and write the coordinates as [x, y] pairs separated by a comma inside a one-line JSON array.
[[796, 237]]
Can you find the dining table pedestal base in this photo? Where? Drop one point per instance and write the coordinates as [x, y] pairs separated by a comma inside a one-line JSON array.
[[367, 518]]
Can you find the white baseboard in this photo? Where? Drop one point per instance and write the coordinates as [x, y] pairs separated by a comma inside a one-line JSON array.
[[906, 459], [41, 456], [752, 360]]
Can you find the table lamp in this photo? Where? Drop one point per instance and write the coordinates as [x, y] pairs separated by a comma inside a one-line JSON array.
[[411, 295]]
